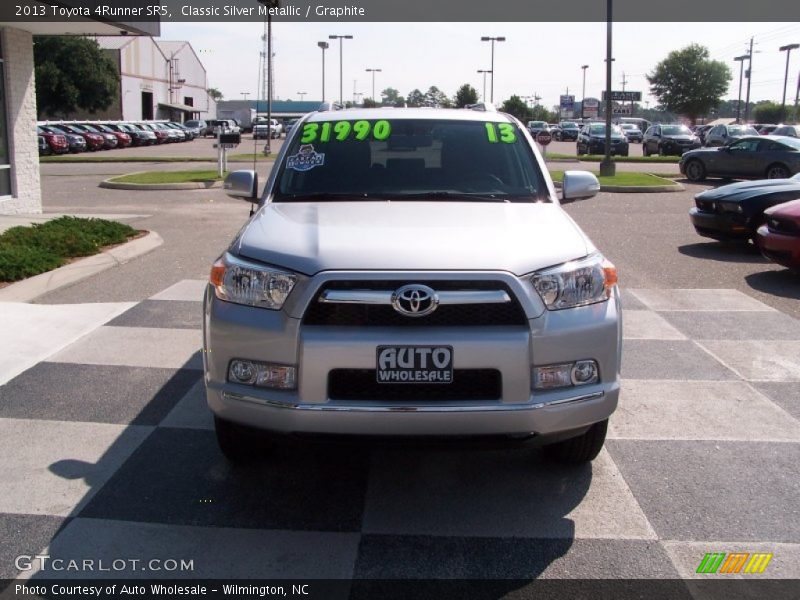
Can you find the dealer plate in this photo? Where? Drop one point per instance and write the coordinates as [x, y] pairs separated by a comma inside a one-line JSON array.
[[414, 364]]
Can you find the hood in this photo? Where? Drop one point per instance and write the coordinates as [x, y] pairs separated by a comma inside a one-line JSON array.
[[746, 189], [788, 209], [683, 137], [321, 236]]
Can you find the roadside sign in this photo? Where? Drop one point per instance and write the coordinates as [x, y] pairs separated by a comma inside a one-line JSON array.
[[621, 110], [619, 96], [590, 103], [226, 146], [566, 101], [543, 138]]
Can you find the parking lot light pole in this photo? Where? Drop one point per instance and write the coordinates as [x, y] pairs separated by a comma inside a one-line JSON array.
[[341, 39], [583, 93], [607, 166], [492, 40], [740, 60], [788, 49], [373, 71], [323, 46], [484, 71]]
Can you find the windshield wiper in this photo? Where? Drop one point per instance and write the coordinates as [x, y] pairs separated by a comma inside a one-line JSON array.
[[433, 195], [321, 197]]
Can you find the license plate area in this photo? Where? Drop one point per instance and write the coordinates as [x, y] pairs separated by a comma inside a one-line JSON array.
[[414, 364]]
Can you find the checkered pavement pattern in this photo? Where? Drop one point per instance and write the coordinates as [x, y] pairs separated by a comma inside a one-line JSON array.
[[109, 452]]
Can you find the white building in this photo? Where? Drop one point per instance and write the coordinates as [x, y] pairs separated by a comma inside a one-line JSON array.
[[20, 191]]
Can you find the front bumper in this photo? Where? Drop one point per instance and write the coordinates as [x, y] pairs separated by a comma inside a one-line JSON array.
[[779, 248], [234, 331], [719, 226]]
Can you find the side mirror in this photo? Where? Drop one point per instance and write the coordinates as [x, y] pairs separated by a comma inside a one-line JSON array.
[[242, 184], [577, 185]]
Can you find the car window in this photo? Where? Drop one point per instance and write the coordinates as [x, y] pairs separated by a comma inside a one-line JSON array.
[[676, 130], [411, 159], [746, 145], [791, 144]]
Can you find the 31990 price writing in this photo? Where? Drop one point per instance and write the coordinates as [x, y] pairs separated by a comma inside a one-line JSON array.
[[341, 131]]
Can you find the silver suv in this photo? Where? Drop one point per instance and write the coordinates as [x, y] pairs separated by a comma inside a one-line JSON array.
[[410, 272]]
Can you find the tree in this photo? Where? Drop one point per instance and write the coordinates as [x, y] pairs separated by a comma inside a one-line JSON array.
[[688, 82], [517, 107], [215, 94], [540, 113], [390, 96], [416, 98], [369, 103], [466, 94], [73, 73], [436, 97], [769, 112]]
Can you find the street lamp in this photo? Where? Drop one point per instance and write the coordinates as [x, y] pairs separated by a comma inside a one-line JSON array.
[[740, 60], [484, 71], [301, 94], [583, 93], [493, 40], [341, 39], [788, 49], [373, 71], [323, 46], [245, 95]]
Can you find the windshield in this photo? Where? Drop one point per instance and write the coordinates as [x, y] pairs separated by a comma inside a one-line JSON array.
[[600, 129], [568, 126], [408, 159], [675, 130], [538, 124], [192, 123], [741, 130], [629, 127], [793, 143]]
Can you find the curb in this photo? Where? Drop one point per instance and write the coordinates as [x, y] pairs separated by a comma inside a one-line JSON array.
[[33, 287], [636, 189], [188, 185]]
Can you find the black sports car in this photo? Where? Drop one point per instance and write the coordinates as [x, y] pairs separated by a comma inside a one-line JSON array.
[[736, 211], [770, 156]]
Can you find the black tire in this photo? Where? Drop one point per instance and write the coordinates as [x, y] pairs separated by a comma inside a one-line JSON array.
[[581, 449], [240, 444], [644, 150], [777, 171], [578, 150], [624, 153], [695, 170]]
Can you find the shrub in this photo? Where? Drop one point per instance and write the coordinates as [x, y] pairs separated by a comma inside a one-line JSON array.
[[19, 262]]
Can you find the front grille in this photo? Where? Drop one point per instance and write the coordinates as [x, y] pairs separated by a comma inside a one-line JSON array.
[[468, 384], [460, 315]]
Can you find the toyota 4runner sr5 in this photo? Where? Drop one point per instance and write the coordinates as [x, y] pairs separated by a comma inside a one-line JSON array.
[[410, 272]]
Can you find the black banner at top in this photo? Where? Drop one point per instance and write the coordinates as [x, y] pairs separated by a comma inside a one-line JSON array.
[[115, 11]]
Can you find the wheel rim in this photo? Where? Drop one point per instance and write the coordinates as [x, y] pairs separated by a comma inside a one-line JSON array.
[[777, 173], [693, 170]]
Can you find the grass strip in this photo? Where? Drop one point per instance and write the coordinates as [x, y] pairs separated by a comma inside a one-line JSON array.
[[153, 177], [624, 179]]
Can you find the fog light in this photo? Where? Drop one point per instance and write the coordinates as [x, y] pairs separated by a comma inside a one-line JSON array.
[[248, 372], [584, 372], [552, 376]]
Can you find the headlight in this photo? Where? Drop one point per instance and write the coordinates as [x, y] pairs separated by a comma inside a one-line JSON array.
[[576, 283], [734, 207], [251, 284]]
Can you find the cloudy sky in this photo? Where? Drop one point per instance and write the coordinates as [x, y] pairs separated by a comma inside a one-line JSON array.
[[537, 58]]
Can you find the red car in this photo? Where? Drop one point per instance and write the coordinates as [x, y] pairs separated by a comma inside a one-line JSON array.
[[57, 143], [94, 141], [123, 139], [779, 238]]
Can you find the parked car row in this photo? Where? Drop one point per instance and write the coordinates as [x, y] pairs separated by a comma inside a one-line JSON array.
[[74, 136]]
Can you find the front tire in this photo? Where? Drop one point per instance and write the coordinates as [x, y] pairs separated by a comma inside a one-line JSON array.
[[695, 171], [581, 449], [240, 444]]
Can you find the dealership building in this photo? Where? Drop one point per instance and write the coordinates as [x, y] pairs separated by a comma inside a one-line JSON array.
[[20, 190]]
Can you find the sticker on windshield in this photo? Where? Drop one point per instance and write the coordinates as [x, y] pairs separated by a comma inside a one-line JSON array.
[[305, 159]]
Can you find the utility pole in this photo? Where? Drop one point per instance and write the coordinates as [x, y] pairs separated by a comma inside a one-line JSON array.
[[740, 60], [788, 49], [607, 166], [749, 81], [583, 91]]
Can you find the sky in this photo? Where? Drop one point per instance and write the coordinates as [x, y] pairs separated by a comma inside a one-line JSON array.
[[541, 59]]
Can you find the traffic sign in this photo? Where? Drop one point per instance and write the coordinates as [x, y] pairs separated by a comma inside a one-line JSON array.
[[619, 96], [621, 110], [544, 138]]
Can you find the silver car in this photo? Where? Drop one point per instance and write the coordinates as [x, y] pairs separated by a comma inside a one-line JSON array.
[[410, 272]]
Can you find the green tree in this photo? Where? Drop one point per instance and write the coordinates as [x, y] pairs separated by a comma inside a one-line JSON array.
[[73, 73], [540, 113], [769, 112], [517, 107], [416, 98], [436, 97], [369, 103], [466, 94], [215, 94], [390, 96], [688, 82]]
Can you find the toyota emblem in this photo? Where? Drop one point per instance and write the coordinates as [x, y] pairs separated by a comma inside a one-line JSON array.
[[415, 300]]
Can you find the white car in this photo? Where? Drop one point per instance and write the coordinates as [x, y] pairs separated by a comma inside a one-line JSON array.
[[262, 128]]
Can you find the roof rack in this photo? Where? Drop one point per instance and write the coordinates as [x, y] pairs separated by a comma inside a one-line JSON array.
[[326, 106], [482, 106]]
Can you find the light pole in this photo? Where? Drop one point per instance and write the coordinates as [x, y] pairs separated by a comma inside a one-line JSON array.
[[373, 71], [749, 80], [583, 93], [788, 49], [493, 40], [484, 71], [607, 166], [301, 94], [740, 60], [341, 39], [323, 46], [245, 95]]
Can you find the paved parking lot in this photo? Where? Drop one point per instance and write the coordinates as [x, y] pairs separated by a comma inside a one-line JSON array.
[[109, 450]]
